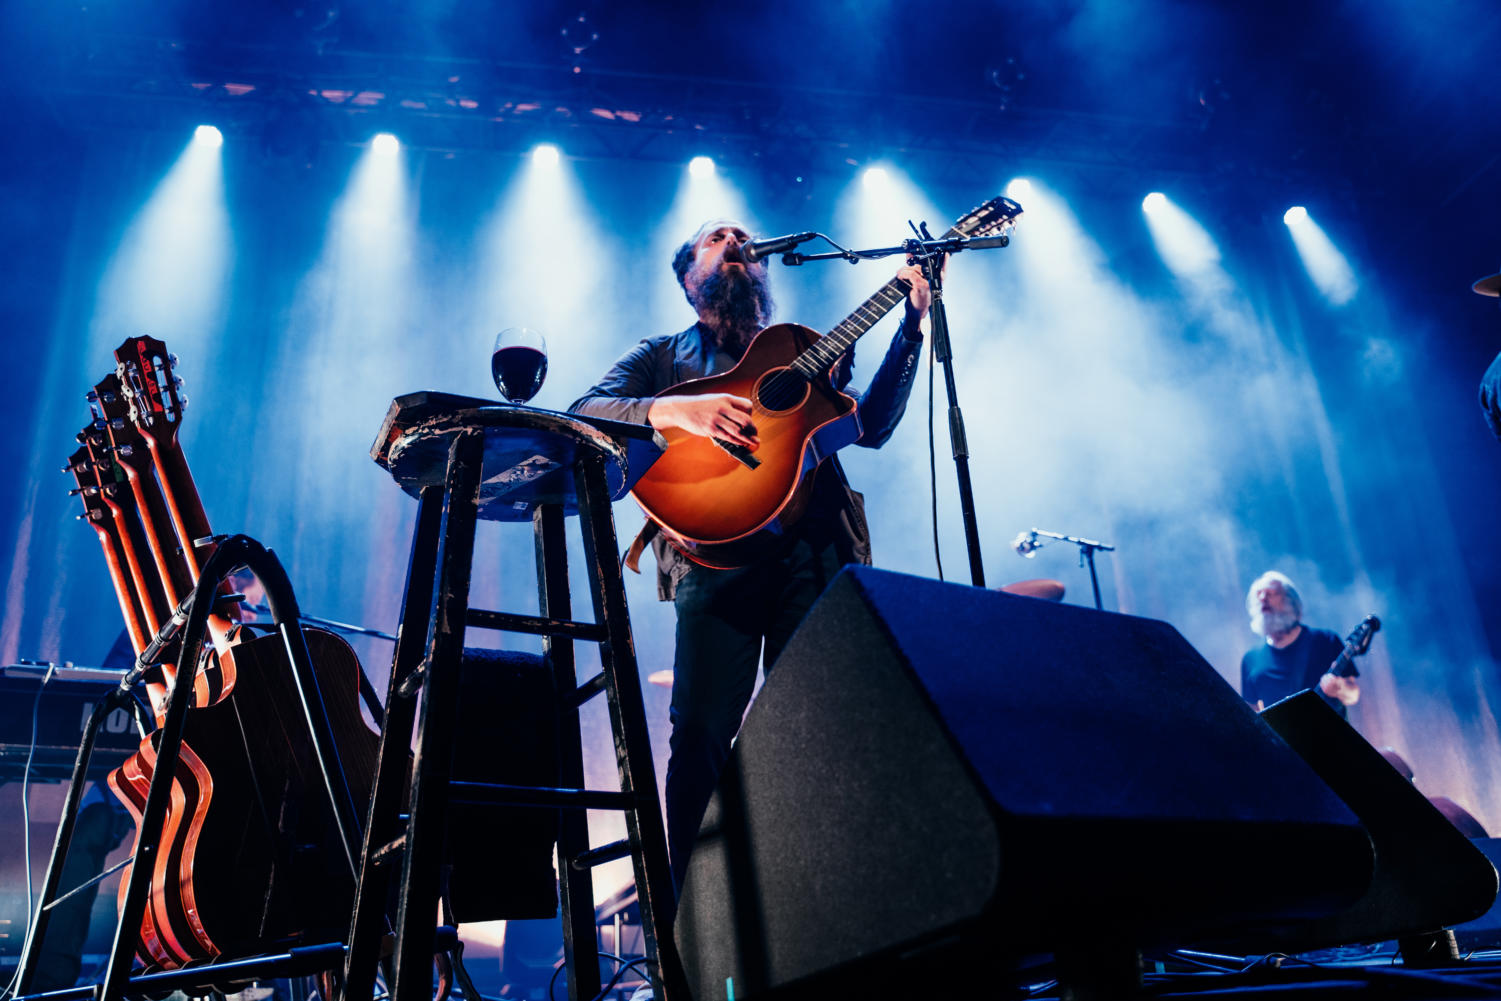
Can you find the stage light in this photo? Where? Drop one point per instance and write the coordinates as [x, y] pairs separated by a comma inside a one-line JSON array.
[[1321, 258], [1186, 247], [874, 176], [1019, 188], [546, 155], [171, 269], [701, 166], [385, 144]]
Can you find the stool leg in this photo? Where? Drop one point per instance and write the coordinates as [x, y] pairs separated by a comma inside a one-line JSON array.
[[381, 822], [633, 754], [436, 716], [575, 886]]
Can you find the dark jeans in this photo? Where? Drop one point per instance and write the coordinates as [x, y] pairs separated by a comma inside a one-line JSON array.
[[728, 621]]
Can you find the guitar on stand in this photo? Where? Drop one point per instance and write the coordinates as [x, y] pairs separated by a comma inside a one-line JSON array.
[[720, 503], [249, 845]]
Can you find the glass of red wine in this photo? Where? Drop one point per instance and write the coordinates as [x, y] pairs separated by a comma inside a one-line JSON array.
[[519, 363]]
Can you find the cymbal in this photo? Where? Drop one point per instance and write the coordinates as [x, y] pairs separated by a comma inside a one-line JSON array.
[[1047, 590], [662, 679]]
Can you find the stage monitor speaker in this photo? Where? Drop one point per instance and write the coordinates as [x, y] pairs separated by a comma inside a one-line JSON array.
[[944, 778], [1428, 874]]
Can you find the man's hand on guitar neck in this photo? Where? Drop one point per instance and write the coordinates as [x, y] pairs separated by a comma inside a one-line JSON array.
[[920, 298], [712, 415]]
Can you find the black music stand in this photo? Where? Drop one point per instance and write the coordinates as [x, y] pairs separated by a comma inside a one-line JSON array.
[[469, 459]]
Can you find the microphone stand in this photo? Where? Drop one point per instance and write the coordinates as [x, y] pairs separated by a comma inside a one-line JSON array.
[[1087, 549], [929, 254]]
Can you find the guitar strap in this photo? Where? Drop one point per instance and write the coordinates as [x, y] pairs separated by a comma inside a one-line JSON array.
[[632, 561]]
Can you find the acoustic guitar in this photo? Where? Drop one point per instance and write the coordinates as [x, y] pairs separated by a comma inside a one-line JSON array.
[[721, 504]]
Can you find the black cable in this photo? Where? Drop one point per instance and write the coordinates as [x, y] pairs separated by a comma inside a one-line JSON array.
[[36, 706], [607, 988]]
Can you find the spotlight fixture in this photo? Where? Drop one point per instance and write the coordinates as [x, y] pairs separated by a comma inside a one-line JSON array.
[[1153, 202], [874, 176], [701, 166], [1019, 187], [208, 135], [1295, 215], [546, 155], [385, 144]]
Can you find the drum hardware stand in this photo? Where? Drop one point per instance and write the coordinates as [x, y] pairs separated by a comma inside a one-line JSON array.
[[930, 253], [191, 621]]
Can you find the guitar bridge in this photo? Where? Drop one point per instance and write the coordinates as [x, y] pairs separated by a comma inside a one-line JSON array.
[[738, 451]]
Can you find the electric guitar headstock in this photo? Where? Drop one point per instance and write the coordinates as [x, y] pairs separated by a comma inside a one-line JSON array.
[[994, 218], [151, 389], [1357, 643]]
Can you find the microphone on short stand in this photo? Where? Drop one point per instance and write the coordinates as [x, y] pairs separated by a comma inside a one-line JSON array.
[[1026, 544], [758, 249]]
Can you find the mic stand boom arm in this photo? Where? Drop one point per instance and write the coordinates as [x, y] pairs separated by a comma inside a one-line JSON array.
[[929, 254]]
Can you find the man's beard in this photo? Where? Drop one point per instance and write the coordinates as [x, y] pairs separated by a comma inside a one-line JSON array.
[[1272, 623], [735, 303]]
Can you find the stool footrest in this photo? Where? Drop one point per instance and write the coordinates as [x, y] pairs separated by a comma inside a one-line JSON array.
[[497, 794], [602, 854], [535, 624], [583, 693]]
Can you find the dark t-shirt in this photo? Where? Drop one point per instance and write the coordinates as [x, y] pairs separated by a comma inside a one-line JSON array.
[[1269, 675]]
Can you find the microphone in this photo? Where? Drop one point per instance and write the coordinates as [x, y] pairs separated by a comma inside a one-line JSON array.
[[758, 249], [1026, 544]]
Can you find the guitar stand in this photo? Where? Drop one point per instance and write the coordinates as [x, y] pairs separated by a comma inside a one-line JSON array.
[[192, 616]]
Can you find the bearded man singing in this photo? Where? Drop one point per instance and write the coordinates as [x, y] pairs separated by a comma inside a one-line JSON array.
[[1294, 657], [729, 621]]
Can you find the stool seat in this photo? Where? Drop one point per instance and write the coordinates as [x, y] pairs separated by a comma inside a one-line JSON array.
[[530, 454]]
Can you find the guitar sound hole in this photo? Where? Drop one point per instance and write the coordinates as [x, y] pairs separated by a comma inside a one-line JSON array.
[[780, 390]]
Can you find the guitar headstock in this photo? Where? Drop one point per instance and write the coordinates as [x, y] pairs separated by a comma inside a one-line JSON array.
[[81, 465], [150, 388], [993, 218], [113, 426]]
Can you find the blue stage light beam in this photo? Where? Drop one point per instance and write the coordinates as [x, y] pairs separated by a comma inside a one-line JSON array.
[[1184, 245], [546, 263], [168, 275], [875, 213], [1328, 268]]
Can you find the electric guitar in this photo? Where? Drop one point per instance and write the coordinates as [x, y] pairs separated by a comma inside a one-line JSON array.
[[721, 504], [1357, 643]]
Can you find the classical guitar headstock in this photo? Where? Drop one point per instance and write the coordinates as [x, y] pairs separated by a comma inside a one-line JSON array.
[[994, 218], [114, 429], [150, 387]]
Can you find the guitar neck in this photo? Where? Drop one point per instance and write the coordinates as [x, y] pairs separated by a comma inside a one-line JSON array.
[[101, 520], [821, 357], [181, 494]]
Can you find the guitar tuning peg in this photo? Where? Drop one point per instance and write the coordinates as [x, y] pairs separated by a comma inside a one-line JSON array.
[[177, 380], [91, 396], [100, 424], [172, 360], [75, 491], [118, 424], [184, 403], [109, 397], [125, 450]]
